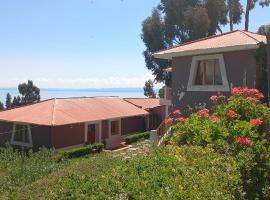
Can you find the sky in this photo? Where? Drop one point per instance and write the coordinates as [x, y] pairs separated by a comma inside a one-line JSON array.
[[79, 43]]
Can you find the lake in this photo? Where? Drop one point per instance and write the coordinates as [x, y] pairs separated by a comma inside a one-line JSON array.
[[64, 93]]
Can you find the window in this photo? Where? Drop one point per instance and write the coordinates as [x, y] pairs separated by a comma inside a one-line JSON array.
[[208, 73], [114, 127], [21, 135]]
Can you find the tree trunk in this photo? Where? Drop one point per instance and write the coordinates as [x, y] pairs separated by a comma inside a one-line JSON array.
[[230, 15], [247, 15]]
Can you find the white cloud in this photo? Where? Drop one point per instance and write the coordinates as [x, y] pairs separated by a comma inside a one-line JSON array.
[[92, 82]]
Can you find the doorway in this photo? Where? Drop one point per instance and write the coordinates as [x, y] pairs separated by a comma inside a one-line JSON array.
[[92, 130]]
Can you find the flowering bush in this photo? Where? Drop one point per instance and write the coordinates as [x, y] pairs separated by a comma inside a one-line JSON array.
[[237, 127]]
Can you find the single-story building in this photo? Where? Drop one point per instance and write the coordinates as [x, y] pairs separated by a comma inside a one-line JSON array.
[[61, 123], [204, 67], [155, 108]]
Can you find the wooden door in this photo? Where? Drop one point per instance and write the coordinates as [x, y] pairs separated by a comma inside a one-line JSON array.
[[91, 133]]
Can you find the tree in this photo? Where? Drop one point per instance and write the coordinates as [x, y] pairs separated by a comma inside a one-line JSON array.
[[1, 106], [267, 31], [161, 92], [250, 6], [149, 89], [29, 93], [8, 101], [235, 11], [16, 101], [176, 21]]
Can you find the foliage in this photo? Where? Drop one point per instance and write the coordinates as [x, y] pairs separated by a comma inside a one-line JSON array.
[[20, 168], [161, 92], [176, 21], [83, 151], [237, 127], [29, 92], [235, 10], [250, 5], [136, 137], [8, 101], [192, 174], [1, 106], [149, 89]]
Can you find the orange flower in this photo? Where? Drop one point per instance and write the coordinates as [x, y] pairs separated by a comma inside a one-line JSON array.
[[181, 119], [169, 121], [214, 118], [244, 141], [252, 99], [214, 98], [203, 113], [256, 122], [231, 114]]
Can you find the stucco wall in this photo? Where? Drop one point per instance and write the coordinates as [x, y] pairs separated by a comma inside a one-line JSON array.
[[236, 64], [5, 132], [67, 135], [132, 125]]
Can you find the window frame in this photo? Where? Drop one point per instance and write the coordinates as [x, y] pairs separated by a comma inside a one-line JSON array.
[[212, 88], [118, 120], [21, 143]]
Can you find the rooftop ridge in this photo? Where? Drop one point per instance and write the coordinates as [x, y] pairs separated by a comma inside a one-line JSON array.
[[210, 37], [198, 40]]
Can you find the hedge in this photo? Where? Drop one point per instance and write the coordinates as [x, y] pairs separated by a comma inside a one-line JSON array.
[[136, 137], [87, 149]]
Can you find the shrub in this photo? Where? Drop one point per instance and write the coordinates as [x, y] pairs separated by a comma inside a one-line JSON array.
[[136, 137], [180, 173], [20, 168], [238, 128], [87, 149]]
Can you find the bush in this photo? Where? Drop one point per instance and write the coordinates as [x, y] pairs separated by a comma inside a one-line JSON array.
[[237, 127], [20, 168], [87, 149], [180, 173], [136, 137]]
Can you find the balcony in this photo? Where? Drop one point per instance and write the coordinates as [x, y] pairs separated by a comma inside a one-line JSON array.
[[167, 99]]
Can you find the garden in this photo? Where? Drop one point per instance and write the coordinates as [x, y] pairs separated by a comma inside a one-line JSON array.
[[222, 153]]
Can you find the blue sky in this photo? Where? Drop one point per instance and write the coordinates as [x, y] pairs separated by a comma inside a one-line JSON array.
[[78, 43]]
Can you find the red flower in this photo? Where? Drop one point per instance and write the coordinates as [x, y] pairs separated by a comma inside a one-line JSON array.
[[252, 99], [231, 114], [169, 121], [237, 91], [259, 95], [256, 122], [214, 118], [203, 113], [214, 99], [177, 113], [244, 141], [181, 119]]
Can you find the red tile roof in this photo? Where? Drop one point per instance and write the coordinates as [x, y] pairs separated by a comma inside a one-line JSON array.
[[144, 103], [56, 112], [231, 41]]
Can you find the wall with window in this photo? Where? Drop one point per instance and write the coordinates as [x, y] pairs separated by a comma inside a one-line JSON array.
[[240, 68]]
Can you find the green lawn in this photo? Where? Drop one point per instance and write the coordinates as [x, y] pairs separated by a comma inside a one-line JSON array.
[[140, 172]]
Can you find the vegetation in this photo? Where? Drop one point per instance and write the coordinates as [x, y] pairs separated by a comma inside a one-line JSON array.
[[8, 101], [1, 106], [236, 128], [137, 137], [82, 151], [174, 22], [149, 89], [21, 168]]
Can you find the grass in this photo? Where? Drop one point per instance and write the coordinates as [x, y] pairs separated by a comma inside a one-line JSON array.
[[140, 172]]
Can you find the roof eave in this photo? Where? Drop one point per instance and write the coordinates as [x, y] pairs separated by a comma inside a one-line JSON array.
[[169, 56]]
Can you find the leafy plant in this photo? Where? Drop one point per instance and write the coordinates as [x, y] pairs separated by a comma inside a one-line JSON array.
[[136, 137]]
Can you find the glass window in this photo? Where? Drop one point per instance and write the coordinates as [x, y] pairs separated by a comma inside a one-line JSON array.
[[21, 134], [114, 127], [208, 73]]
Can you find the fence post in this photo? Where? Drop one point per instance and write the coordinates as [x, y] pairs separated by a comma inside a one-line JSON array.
[[154, 136]]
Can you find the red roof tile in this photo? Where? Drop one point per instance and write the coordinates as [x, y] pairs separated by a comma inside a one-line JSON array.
[[56, 112], [231, 41], [144, 103]]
